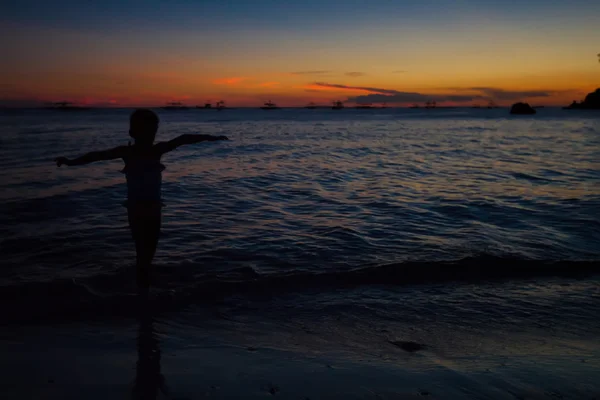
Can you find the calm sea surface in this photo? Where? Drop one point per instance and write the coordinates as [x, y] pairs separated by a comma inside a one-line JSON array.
[[300, 199]]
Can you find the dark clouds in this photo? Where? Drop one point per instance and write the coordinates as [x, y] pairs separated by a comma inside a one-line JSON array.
[[365, 88], [355, 74], [317, 72], [380, 95], [501, 94], [410, 97]]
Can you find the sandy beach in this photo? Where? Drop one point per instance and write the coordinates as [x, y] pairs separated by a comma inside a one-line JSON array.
[[230, 351]]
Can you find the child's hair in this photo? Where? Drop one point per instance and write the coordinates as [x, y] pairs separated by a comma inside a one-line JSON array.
[[143, 124]]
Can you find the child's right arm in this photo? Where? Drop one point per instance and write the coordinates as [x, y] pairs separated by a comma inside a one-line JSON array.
[[111, 154], [165, 147]]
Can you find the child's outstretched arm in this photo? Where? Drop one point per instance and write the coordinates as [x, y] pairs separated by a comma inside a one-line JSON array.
[[165, 147], [111, 154]]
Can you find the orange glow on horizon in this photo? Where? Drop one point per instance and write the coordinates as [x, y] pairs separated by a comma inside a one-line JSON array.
[[287, 98], [155, 88], [246, 63], [229, 81], [268, 84]]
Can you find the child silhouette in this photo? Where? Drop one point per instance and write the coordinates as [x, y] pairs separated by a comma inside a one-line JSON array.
[[143, 171]]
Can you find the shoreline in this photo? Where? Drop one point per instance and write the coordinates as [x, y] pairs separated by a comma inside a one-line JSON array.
[[220, 352]]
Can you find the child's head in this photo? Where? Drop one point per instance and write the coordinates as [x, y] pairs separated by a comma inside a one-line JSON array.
[[143, 124]]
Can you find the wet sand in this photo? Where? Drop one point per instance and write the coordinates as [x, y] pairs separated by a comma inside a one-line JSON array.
[[89, 361]]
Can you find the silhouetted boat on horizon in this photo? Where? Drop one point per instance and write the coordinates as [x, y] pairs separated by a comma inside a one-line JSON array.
[[65, 106], [311, 106], [431, 105], [175, 105], [220, 105], [337, 105], [270, 106], [206, 106], [364, 106]]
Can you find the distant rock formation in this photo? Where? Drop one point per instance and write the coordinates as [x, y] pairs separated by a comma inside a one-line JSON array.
[[522, 109], [591, 102]]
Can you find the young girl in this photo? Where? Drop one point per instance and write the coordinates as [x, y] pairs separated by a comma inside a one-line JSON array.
[[143, 171]]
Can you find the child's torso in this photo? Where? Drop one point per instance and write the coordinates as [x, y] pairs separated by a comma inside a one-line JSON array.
[[143, 171]]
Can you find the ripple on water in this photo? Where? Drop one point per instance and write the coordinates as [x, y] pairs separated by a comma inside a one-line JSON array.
[[309, 192]]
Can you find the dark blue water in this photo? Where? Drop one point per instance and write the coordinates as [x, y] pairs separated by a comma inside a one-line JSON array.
[[299, 200]]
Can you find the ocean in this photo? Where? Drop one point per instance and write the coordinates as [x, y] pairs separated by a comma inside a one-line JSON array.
[[335, 234]]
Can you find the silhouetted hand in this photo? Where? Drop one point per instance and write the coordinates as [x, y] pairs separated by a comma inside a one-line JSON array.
[[61, 160]]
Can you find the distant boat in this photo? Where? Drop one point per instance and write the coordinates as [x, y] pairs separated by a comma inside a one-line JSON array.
[[206, 106], [66, 106], [364, 106], [431, 104], [384, 105], [337, 105], [491, 105], [175, 106], [415, 106], [270, 106], [311, 106]]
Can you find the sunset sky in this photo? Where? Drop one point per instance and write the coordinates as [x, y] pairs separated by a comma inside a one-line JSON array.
[[246, 52]]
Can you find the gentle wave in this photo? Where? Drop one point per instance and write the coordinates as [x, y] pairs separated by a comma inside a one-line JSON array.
[[296, 200], [115, 295]]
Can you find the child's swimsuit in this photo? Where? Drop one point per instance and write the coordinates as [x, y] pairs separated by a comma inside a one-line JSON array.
[[144, 180]]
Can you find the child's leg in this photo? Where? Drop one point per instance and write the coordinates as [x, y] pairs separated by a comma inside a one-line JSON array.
[[145, 222]]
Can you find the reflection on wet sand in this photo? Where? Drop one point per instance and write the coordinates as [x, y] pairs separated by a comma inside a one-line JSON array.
[[149, 381]]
